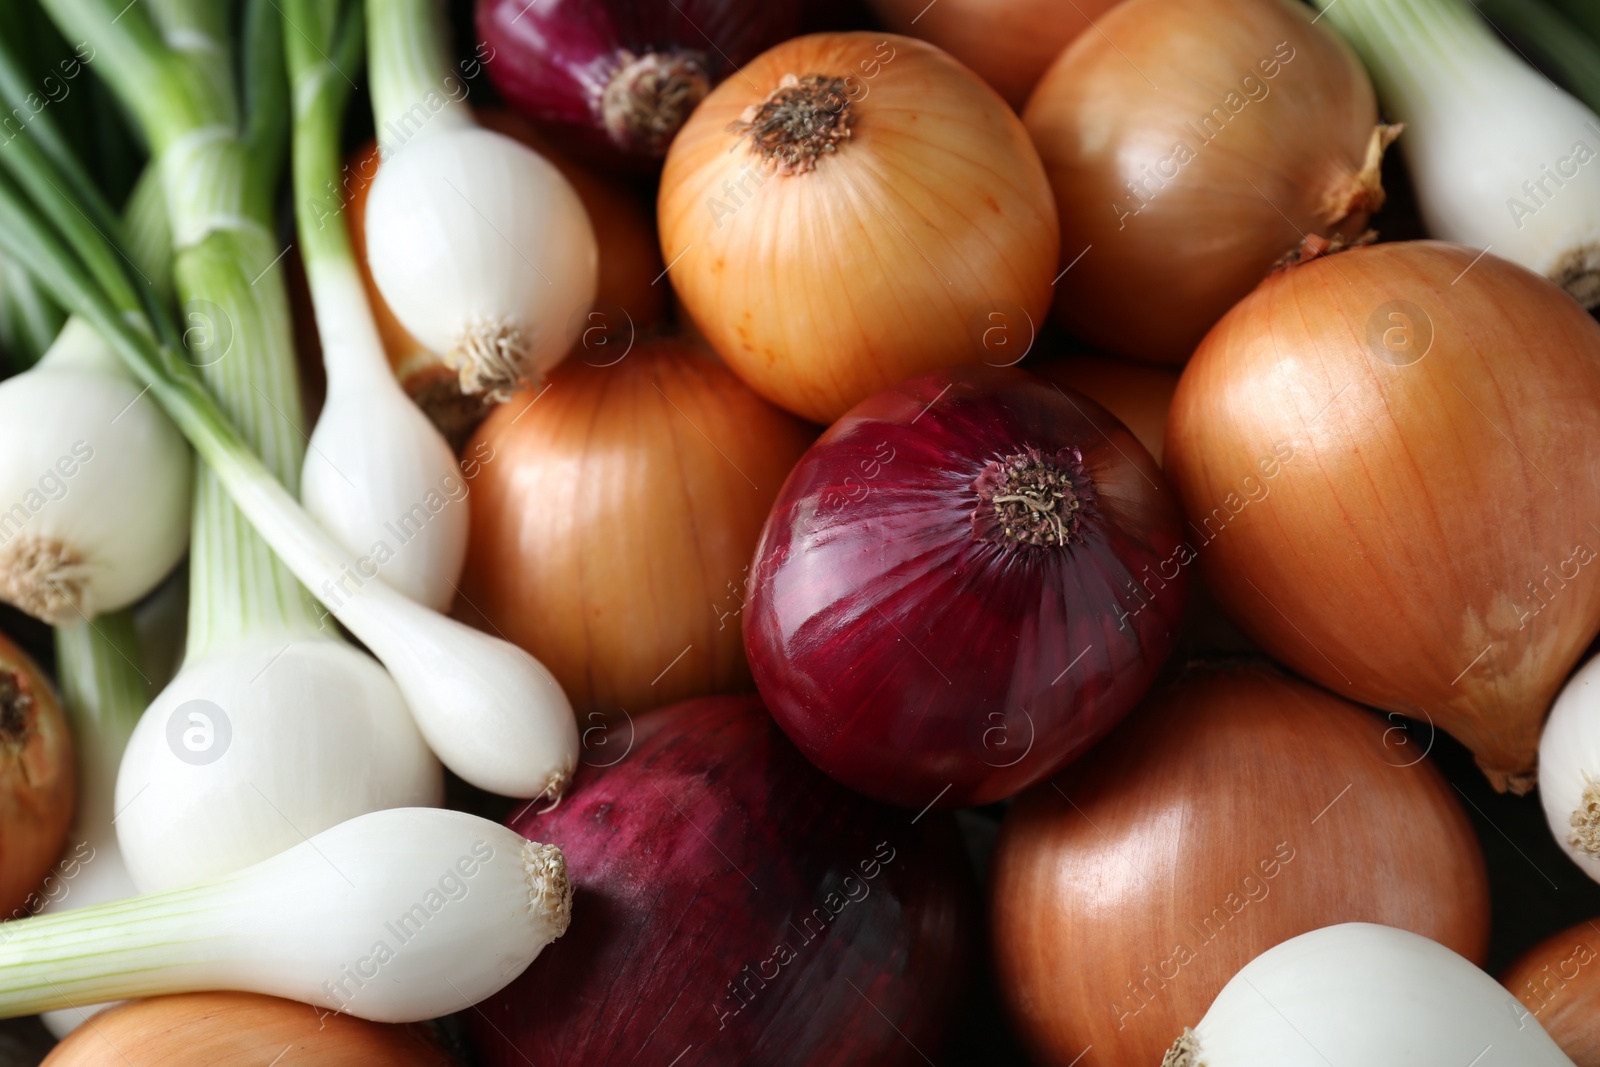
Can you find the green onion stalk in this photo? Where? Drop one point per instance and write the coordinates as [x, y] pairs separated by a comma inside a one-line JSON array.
[[490, 711]]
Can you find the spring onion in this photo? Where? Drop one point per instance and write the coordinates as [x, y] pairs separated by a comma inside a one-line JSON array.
[[378, 475], [1501, 158], [396, 916], [95, 490], [480, 246], [491, 712], [103, 693]]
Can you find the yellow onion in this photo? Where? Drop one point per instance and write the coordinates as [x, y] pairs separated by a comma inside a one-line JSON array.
[[239, 1030], [852, 209], [1191, 144], [1558, 982], [614, 517], [36, 784], [625, 298], [1390, 461], [1136, 393], [1238, 808], [1008, 43]]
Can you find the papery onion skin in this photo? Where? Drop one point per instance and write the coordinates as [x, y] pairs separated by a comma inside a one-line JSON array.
[[1181, 814], [613, 520], [1282, 161], [567, 63], [625, 299], [822, 286], [1558, 981], [697, 851], [37, 782], [1138, 394], [236, 1030], [919, 662], [1007, 43], [1407, 555]]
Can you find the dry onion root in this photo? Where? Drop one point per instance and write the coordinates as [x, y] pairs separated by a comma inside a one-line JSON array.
[[1185, 172], [1426, 547], [37, 780]]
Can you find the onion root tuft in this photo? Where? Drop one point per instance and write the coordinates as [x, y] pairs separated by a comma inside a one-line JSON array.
[[650, 96], [45, 578], [800, 121], [1585, 835], [1185, 1052], [16, 707], [549, 887], [491, 358]]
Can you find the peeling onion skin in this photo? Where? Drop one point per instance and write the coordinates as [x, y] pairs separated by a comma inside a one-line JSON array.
[[1007, 43], [823, 286], [1393, 558], [1558, 981], [37, 782], [239, 1030], [918, 663], [1112, 110], [661, 843], [1125, 856]]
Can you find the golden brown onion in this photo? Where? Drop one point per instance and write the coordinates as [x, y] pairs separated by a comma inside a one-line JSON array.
[[238, 1030], [1390, 460], [36, 783], [1237, 809], [614, 516], [1558, 981], [1191, 144], [1007, 43], [850, 210]]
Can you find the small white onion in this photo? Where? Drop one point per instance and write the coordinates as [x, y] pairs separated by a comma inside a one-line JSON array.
[[1569, 768], [485, 253], [257, 746], [94, 489], [1359, 993]]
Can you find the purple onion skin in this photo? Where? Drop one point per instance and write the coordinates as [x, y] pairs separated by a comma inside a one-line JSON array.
[[553, 59], [696, 856], [918, 664]]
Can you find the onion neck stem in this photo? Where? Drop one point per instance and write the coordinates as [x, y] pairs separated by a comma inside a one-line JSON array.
[[410, 71], [103, 694], [1573, 56], [352, 349], [228, 274]]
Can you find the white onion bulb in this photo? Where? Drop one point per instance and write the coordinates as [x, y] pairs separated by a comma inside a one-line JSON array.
[[94, 485], [485, 253], [1569, 768], [1359, 993], [255, 747]]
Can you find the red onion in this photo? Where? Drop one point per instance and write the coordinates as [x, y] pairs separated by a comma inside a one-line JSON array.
[[966, 582], [619, 77], [733, 904]]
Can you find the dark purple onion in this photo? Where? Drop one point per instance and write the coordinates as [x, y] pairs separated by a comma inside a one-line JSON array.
[[619, 77], [925, 640], [733, 903]]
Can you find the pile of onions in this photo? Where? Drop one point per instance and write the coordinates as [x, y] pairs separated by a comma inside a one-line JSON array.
[[37, 781], [766, 915], [1184, 172], [1558, 981], [852, 210], [1138, 394], [625, 299], [619, 77], [234, 1029], [960, 587], [1387, 457], [1237, 809], [613, 520], [1008, 43]]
